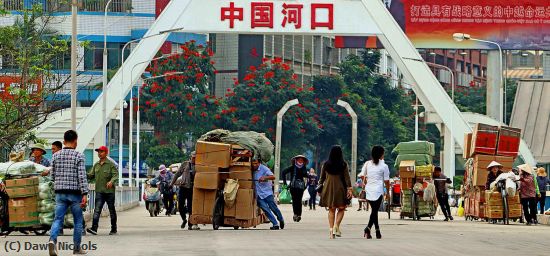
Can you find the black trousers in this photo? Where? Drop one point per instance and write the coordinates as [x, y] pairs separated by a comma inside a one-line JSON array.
[[168, 201], [100, 200], [297, 195], [529, 209], [374, 205], [542, 200], [443, 199], [185, 202], [313, 196]]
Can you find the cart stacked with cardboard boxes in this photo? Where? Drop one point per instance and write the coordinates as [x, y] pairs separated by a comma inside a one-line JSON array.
[[486, 144], [415, 170], [215, 163]]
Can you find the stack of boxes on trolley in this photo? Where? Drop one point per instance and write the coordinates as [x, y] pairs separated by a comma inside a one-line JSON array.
[[490, 151]]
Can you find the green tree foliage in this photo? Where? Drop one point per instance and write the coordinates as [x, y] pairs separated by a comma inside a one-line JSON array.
[[178, 102], [30, 51]]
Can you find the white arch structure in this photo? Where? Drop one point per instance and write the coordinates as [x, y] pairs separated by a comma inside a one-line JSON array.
[[318, 17]]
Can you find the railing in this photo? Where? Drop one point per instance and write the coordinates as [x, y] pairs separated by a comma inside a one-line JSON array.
[[125, 198], [64, 5]]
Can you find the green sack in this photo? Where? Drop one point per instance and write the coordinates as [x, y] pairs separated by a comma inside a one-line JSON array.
[[415, 147], [284, 196], [420, 159]]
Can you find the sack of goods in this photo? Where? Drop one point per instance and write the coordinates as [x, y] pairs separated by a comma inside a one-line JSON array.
[[415, 147], [17, 168], [46, 205], [420, 159]]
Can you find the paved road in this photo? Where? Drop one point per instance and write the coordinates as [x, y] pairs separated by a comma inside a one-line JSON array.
[[143, 235]]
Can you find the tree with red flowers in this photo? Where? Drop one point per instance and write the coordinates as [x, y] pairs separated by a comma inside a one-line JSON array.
[[254, 102], [179, 103]]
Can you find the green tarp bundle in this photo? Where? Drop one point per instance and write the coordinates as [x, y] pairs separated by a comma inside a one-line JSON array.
[[420, 159], [415, 147], [253, 141]]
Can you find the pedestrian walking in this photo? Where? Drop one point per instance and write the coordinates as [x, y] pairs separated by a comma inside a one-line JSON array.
[[264, 190], [297, 172], [37, 155], [164, 179], [335, 189], [376, 175], [528, 193], [440, 182], [312, 182], [184, 179], [543, 181], [362, 197], [105, 174], [71, 188]]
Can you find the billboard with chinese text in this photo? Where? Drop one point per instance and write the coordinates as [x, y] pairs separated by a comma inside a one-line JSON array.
[[520, 25], [9, 86]]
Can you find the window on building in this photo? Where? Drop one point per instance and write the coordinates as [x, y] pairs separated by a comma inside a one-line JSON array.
[[460, 66], [93, 55], [89, 5], [477, 70]]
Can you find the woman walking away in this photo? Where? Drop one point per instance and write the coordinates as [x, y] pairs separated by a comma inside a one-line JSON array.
[[297, 185], [377, 175], [336, 191], [543, 181], [527, 193], [311, 188]]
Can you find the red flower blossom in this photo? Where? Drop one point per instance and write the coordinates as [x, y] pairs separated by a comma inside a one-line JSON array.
[[217, 116], [267, 83], [303, 130], [285, 67], [203, 114], [189, 96], [311, 89], [269, 74], [252, 68], [251, 84], [300, 120], [190, 113], [255, 119], [191, 107], [295, 77], [163, 100]]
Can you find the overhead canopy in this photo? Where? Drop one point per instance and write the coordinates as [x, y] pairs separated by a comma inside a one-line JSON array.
[[531, 114]]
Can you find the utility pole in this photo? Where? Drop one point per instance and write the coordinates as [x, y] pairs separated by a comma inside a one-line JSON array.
[[74, 11]]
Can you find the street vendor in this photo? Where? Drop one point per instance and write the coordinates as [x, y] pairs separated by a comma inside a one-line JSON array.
[[37, 155], [495, 169]]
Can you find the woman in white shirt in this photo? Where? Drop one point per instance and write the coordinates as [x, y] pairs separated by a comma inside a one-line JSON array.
[[375, 174]]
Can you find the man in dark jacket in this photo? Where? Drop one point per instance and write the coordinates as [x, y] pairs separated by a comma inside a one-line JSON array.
[[298, 172], [440, 182], [105, 174], [184, 179]]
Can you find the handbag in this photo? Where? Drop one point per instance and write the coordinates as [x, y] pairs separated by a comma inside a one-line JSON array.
[[298, 184]]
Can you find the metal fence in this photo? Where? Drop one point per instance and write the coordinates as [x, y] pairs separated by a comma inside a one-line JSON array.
[[64, 5], [125, 198]]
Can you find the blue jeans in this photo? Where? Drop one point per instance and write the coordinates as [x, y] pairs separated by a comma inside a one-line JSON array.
[[62, 203], [269, 206]]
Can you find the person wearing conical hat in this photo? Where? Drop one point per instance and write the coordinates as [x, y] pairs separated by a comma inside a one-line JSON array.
[[297, 172], [528, 193], [38, 151], [495, 169]]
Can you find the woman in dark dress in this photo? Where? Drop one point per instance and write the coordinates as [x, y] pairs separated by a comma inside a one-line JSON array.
[[336, 189], [311, 187]]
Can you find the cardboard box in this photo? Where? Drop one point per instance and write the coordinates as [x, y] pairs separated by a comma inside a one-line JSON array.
[[206, 168], [508, 141], [467, 145], [494, 214], [245, 204], [516, 207], [492, 195], [30, 203], [17, 192], [207, 180], [514, 199], [198, 199], [240, 156], [424, 171], [214, 154], [406, 183], [479, 195], [203, 201], [230, 211], [407, 169], [481, 162], [514, 213], [484, 139], [482, 211], [243, 174], [32, 181]]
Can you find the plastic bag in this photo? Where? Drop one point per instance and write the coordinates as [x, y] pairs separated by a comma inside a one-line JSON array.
[[25, 167], [511, 187], [460, 207], [284, 196], [230, 192], [429, 193], [306, 196]]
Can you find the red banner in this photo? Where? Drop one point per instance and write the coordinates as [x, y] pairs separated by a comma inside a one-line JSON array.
[[522, 25], [10, 84]]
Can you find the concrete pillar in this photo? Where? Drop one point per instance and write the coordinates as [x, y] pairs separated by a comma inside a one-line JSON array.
[[494, 80], [449, 155], [546, 64]]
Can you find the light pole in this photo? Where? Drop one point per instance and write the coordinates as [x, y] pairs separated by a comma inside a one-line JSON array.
[[105, 78], [74, 35], [121, 112], [278, 136], [461, 37]]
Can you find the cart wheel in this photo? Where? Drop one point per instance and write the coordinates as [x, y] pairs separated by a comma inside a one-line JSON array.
[[216, 226], [235, 227], [5, 232], [40, 232]]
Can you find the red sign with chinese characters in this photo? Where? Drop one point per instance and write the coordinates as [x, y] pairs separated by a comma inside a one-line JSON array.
[[263, 14], [9, 85]]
